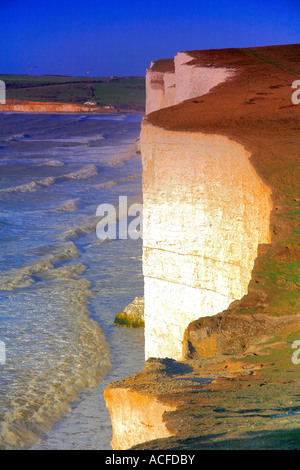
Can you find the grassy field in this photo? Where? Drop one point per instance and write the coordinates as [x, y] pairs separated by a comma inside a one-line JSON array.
[[126, 93]]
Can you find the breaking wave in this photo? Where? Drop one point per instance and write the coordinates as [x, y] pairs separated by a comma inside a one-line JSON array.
[[78, 357], [74, 353], [52, 163], [70, 205], [87, 227], [29, 187], [130, 178], [129, 153], [112, 184], [25, 276], [108, 184], [85, 172]]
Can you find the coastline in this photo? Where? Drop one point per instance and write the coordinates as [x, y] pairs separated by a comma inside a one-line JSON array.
[[22, 106]]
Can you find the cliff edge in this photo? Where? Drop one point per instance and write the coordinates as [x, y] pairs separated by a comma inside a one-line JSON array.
[[220, 148]]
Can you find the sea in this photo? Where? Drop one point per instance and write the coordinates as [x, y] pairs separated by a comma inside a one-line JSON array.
[[61, 285]]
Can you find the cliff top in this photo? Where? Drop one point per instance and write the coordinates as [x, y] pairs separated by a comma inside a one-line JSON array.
[[163, 65], [260, 90], [284, 56]]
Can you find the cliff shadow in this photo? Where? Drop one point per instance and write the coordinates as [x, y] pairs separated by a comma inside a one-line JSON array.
[[168, 366]]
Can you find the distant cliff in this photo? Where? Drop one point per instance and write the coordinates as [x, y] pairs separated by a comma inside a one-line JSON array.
[[172, 81], [47, 107], [124, 94], [220, 151]]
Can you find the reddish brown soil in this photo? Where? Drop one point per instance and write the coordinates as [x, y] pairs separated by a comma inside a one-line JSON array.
[[163, 65]]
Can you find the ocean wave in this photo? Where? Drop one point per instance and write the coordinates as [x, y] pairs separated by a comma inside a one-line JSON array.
[[112, 184], [29, 187], [130, 178], [52, 163], [108, 184], [79, 357], [68, 251], [64, 272], [69, 205], [85, 172], [87, 227], [129, 153], [24, 276], [80, 139], [75, 139], [21, 136]]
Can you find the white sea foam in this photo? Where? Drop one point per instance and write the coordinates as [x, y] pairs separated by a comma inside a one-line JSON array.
[[22, 277], [16, 137], [52, 163], [70, 205]]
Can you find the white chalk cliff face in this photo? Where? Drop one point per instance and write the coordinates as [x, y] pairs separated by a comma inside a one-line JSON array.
[[166, 86], [205, 212], [160, 90]]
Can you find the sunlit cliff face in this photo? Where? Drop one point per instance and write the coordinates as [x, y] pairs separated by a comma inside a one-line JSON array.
[[135, 417], [205, 212]]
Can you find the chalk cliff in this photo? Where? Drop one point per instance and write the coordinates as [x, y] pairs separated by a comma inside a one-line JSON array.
[[160, 85], [205, 212], [220, 152], [170, 81]]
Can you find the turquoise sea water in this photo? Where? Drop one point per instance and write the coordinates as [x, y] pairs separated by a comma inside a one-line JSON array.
[[60, 286]]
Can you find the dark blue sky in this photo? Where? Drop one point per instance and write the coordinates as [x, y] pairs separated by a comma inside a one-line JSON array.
[[117, 37]]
